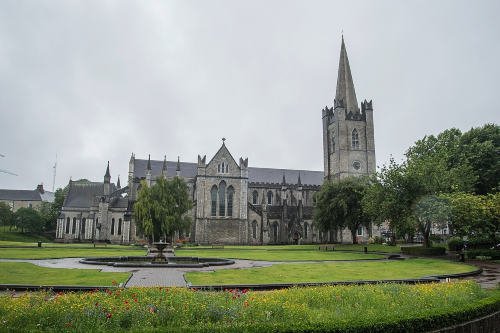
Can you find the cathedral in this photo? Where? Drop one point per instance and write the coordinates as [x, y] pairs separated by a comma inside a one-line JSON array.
[[234, 203]]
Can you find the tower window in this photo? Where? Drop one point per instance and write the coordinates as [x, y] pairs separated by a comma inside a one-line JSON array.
[[119, 227], [214, 200], [112, 226], [222, 197], [355, 140], [255, 197], [269, 198]]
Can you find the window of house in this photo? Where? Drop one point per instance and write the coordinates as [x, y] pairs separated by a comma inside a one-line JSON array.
[[355, 139], [230, 194], [269, 198], [119, 226], [214, 200], [73, 229], [68, 222], [306, 227], [222, 197], [218, 168], [255, 197], [112, 226], [30, 205], [360, 231]]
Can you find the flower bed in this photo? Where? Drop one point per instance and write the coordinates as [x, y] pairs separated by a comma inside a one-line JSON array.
[[374, 308]]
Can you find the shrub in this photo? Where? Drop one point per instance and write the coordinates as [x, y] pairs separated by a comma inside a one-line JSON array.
[[455, 244], [427, 251], [435, 238], [474, 254], [378, 240]]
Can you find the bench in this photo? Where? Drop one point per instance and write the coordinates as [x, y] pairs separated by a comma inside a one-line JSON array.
[[217, 246], [326, 247], [100, 244]]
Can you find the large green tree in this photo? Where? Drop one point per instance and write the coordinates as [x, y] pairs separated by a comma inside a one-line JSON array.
[[338, 205], [5, 214], [27, 218], [161, 209]]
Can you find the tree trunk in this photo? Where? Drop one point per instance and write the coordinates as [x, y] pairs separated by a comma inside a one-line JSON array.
[[354, 232], [426, 232]]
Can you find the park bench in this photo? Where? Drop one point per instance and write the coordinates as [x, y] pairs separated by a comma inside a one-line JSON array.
[[326, 247], [217, 246], [100, 244]]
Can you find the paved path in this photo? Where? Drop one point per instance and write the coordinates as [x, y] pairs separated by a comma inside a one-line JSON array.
[[175, 276]]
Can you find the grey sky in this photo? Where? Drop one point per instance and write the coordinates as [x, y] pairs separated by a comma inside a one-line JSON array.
[[93, 81]]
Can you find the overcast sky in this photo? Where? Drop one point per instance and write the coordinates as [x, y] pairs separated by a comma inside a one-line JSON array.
[[93, 81]]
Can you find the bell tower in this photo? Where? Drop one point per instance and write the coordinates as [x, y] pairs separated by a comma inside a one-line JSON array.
[[348, 134]]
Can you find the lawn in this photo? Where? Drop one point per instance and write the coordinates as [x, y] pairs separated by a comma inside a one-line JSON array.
[[366, 308], [55, 253], [26, 273], [341, 247], [70, 245], [279, 255], [17, 236], [329, 272]]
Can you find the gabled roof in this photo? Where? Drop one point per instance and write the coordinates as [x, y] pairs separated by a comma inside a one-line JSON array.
[[187, 169], [26, 195], [85, 194]]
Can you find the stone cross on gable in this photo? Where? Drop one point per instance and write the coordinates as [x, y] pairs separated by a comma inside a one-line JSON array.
[[223, 141]]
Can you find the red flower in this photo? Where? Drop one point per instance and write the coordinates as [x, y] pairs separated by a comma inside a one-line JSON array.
[[234, 297], [127, 308], [160, 288], [246, 304], [109, 316], [126, 302], [67, 324], [135, 300], [104, 310], [96, 304], [114, 282], [244, 291], [133, 295], [166, 289], [114, 309]]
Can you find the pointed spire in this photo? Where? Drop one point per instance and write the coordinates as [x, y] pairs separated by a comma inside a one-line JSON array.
[[178, 168], [345, 85], [107, 176], [164, 169], [118, 186], [149, 163], [299, 183], [283, 182]]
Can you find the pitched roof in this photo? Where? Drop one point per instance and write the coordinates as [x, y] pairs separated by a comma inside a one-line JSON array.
[[345, 85], [20, 195], [85, 194], [255, 175]]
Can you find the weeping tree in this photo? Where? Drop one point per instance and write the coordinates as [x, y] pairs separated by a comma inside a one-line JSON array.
[[161, 209]]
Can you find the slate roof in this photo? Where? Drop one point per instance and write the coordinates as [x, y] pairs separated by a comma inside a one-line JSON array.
[[255, 175], [82, 194], [26, 195], [188, 169], [119, 202]]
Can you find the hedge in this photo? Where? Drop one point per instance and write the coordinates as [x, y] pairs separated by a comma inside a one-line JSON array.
[[473, 254], [426, 251]]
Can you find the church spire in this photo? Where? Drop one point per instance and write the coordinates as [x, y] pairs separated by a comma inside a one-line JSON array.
[[164, 169], [178, 168], [149, 163], [345, 85], [118, 186], [107, 176]]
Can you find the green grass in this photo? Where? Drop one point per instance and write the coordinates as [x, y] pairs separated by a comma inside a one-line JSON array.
[[55, 253], [26, 273], [329, 272], [340, 247], [279, 255], [18, 236], [50, 244]]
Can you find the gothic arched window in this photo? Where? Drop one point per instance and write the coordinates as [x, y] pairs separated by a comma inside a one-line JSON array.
[[213, 196], [68, 222], [82, 228], [73, 229], [222, 197], [230, 194], [269, 198], [112, 226], [355, 140], [227, 168], [254, 229], [306, 227], [255, 197], [119, 226]]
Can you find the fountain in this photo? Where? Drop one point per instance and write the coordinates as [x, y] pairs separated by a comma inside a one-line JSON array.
[[160, 258]]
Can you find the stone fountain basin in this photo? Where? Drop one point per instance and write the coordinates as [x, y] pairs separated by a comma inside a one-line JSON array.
[[145, 261]]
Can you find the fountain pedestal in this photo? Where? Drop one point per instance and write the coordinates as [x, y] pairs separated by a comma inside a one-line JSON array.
[[160, 257]]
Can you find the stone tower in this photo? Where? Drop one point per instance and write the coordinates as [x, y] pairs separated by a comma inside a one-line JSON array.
[[348, 136]]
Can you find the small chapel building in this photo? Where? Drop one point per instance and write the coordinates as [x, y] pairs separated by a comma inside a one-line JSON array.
[[234, 203]]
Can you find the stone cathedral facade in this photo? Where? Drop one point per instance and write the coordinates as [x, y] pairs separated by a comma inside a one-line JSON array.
[[235, 203]]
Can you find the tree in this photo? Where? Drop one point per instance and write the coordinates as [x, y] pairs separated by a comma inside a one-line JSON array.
[[476, 214], [161, 209], [5, 214], [29, 219], [338, 205]]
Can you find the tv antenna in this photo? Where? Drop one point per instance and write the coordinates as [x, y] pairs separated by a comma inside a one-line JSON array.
[[54, 181], [5, 171]]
